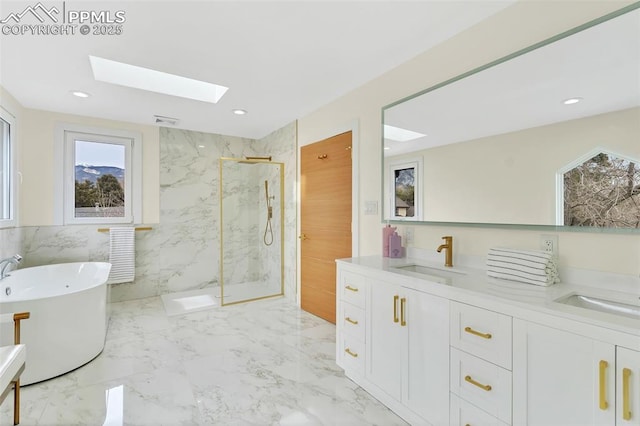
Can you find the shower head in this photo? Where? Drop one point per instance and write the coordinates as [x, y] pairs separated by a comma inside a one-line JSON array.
[[254, 160]]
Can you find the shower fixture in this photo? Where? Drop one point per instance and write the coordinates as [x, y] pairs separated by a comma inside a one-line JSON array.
[[254, 160], [268, 230]]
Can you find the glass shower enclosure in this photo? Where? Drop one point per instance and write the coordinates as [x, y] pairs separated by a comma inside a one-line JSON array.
[[251, 229]]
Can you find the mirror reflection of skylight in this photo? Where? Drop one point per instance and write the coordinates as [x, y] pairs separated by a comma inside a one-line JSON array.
[[400, 135], [154, 81]]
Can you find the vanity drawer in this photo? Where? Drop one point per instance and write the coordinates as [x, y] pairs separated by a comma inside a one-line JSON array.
[[352, 352], [483, 333], [353, 321], [352, 288], [481, 383], [466, 414]]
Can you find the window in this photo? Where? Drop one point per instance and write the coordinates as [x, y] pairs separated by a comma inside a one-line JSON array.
[[7, 199], [601, 189], [101, 176], [405, 191]]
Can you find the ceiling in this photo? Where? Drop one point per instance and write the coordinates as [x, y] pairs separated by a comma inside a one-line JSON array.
[[280, 60]]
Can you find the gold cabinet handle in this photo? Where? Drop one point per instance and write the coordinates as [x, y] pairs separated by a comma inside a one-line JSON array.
[[478, 384], [626, 403], [322, 157], [349, 320], [603, 384], [354, 289], [353, 354], [303, 237], [395, 308], [477, 333], [403, 303]]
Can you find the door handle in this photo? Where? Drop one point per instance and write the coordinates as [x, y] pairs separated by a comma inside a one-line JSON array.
[[603, 384], [303, 237], [403, 303], [395, 308], [477, 333], [626, 403], [353, 354], [478, 384]]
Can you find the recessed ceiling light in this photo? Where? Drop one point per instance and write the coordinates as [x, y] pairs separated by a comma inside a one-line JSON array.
[[80, 94], [571, 101], [387, 148], [155, 81], [238, 111], [400, 135]]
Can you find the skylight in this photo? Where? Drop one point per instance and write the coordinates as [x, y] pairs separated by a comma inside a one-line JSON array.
[[154, 81], [399, 134]]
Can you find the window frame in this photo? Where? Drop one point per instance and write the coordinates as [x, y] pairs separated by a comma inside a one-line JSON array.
[[67, 134], [559, 207], [9, 157], [416, 165]]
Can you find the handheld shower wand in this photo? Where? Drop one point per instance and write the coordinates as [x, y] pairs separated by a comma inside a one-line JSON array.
[[268, 239]]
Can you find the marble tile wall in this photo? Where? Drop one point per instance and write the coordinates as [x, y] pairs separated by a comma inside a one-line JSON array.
[[10, 242], [182, 252], [282, 146]]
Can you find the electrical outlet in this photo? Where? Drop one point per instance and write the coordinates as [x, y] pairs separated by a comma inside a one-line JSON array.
[[549, 244], [408, 235]]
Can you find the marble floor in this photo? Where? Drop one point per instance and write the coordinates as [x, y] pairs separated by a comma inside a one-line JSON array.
[[261, 363]]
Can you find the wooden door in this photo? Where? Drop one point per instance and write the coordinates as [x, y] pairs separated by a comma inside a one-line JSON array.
[[325, 221]]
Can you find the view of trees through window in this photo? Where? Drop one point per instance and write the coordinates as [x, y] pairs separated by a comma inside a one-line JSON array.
[[405, 192], [604, 191], [99, 179]]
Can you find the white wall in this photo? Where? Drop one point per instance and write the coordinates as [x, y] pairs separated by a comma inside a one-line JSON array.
[[511, 178], [516, 27]]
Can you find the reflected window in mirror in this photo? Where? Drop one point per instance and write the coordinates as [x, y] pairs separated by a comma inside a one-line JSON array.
[[405, 189], [602, 190]]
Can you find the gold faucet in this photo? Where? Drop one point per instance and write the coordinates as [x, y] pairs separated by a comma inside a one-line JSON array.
[[448, 254]]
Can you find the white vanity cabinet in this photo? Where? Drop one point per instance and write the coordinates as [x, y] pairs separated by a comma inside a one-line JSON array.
[[480, 365], [562, 378], [408, 352], [351, 321], [627, 387], [384, 366], [407, 348], [457, 354]]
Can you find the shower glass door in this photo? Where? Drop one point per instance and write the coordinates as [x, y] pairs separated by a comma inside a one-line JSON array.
[[251, 229]]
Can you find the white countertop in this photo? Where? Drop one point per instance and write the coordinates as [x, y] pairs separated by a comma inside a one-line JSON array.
[[520, 300]]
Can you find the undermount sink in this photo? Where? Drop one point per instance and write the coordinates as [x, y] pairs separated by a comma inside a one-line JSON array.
[[428, 270], [603, 305]]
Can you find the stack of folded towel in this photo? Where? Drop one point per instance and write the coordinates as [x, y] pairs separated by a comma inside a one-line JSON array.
[[527, 266]]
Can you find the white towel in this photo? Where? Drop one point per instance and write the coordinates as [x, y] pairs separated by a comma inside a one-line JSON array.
[[528, 266], [122, 254]]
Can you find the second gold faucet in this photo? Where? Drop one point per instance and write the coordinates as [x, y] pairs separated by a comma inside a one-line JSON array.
[[448, 250]]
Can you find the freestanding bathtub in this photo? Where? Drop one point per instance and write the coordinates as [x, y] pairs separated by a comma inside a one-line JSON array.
[[68, 324]]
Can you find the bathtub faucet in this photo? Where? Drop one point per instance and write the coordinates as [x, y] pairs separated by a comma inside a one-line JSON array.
[[4, 264]]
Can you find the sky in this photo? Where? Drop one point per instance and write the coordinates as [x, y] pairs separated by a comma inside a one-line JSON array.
[[99, 154]]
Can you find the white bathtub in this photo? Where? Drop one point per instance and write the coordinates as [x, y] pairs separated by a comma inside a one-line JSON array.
[[68, 324]]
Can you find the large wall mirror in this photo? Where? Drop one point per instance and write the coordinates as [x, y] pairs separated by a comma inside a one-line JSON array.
[[549, 136]]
